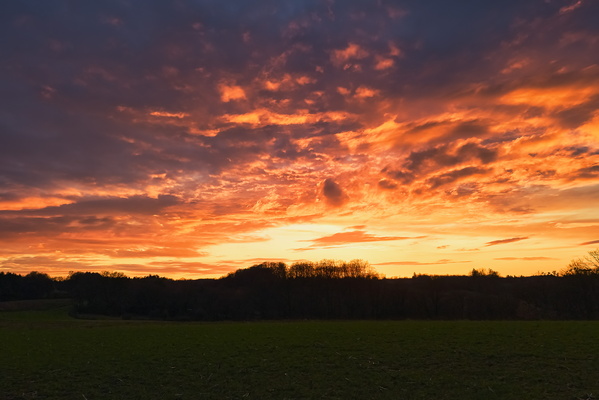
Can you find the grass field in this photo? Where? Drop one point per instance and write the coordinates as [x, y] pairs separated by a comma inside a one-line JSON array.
[[44, 354]]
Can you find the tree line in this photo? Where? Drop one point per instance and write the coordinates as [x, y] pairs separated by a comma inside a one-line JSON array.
[[322, 290]]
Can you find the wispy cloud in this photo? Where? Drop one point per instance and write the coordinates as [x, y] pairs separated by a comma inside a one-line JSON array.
[[505, 241], [357, 236], [191, 129], [571, 7]]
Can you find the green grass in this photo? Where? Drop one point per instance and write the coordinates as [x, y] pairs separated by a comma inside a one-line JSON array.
[[46, 355]]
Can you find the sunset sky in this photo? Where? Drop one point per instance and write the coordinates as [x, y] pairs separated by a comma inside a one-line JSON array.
[[192, 138]]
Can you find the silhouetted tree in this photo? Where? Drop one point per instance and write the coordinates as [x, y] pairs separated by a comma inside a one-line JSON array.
[[324, 289], [38, 285], [483, 272], [11, 286], [588, 265], [301, 270]]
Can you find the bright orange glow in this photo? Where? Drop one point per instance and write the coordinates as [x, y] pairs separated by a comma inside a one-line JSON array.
[[200, 139], [267, 117], [551, 98], [168, 114], [384, 63], [28, 203], [231, 92], [352, 51], [364, 92]]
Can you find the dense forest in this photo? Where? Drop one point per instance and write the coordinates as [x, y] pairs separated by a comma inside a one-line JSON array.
[[322, 290]]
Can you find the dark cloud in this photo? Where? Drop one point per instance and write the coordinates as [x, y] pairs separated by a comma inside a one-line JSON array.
[[386, 184], [435, 155], [574, 117], [58, 145], [466, 189], [444, 156], [546, 174], [231, 115], [576, 151], [588, 173], [11, 227], [333, 193], [135, 205], [8, 196], [404, 177], [505, 241], [591, 242], [472, 151], [84, 216], [150, 55], [435, 159], [466, 130], [15, 227], [453, 176]]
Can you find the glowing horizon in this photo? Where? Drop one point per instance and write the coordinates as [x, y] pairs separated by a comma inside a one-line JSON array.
[[192, 139]]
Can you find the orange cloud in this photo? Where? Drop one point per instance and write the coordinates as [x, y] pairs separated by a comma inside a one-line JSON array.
[[363, 92], [230, 92], [32, 203], [550, 97], [394, 50], [571, 7], [286, 82], [351, 52], [333, 193], [305, 80], [343, 91], [342, 238], [504, 241], [272, 85], [515, 65], [267, 117], [456, 175], [383, 63], [169, 114], [311, 127]]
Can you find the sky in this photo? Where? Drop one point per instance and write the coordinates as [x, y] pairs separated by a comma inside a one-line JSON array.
[[191, 138]]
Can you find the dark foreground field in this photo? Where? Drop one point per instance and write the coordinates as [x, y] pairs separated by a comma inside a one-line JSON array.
[[47, 355]]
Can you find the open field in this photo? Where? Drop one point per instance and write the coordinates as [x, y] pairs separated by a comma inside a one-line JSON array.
[[47, 355]]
